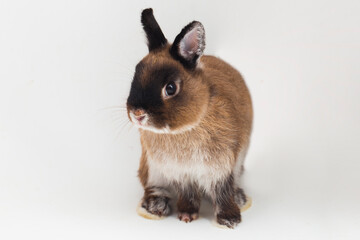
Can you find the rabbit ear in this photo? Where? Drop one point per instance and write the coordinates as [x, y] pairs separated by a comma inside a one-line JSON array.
[[155, 36], [189, 45]]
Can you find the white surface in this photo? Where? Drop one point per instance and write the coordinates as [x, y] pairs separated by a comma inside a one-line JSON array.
[[68, 166]]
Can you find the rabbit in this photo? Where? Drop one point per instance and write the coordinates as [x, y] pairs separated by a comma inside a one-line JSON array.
[[194, 114]]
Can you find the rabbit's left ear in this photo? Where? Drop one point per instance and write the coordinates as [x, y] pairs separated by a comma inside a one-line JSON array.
[[155, 36], [189, 44]]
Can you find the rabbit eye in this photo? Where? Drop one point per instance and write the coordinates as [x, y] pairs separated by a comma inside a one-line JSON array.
[[170, 89]]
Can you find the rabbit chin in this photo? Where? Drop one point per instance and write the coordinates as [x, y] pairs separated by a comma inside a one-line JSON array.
[[166, 129]]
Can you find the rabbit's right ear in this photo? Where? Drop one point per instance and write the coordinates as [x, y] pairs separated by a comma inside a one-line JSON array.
[[189, 44], [155, 36]]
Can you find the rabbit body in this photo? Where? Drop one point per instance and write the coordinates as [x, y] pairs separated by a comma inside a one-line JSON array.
[[194, 114]]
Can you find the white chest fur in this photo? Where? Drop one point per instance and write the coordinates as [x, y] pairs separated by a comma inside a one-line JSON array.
[[193, 166]]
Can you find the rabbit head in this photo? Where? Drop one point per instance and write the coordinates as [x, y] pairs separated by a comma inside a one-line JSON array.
[[168, 93]]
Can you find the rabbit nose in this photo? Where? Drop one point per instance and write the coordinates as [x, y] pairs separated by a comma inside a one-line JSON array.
[[139, 113]]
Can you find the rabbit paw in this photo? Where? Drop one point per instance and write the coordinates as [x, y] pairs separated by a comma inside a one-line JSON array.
[[157, 205], [187, 217], [229, 221]]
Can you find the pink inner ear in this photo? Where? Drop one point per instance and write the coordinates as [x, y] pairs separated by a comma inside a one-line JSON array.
[[189, 44]]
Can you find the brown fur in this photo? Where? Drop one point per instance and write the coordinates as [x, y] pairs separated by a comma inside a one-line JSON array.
[[219, 93], [143, 172]]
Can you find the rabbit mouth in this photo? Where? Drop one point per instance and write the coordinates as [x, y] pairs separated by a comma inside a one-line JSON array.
[[141, 119]]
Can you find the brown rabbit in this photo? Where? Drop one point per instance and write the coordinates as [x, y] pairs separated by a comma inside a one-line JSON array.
[[194, 114]]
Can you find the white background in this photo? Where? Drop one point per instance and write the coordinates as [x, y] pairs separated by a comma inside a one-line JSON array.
[[68, 163]]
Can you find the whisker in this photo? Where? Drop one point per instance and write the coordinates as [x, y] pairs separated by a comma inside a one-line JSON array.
[[118, 121], [112, 107], [113, 118], [120, 131], [129, 126]]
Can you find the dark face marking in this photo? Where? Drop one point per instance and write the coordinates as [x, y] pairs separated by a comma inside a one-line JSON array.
[[145, 92]]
